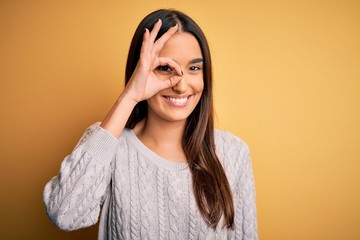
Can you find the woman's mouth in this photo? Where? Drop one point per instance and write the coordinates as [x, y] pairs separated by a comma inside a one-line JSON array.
[[178, 101]]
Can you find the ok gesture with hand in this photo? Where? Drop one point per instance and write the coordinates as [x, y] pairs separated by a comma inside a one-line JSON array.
[[143, 84]]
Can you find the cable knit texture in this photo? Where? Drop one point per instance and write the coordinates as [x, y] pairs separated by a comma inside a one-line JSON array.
[[142, 195]]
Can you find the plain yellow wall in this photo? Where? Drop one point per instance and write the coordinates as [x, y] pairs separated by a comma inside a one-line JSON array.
[[287, 81]]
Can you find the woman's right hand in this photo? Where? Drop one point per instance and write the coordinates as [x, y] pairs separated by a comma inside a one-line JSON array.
[[143, 84]]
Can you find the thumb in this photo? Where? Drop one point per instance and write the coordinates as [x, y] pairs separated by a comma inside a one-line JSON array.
[[172, 81]]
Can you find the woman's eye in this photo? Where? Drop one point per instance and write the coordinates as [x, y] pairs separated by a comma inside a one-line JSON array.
[[164, 68], [194, 68]]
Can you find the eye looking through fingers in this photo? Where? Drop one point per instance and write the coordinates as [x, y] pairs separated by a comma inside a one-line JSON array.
[[165, 69]]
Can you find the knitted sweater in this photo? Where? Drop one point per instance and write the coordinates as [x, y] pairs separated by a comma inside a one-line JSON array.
[[142, 195]]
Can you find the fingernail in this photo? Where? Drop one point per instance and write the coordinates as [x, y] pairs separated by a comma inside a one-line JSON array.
[[157, 20]]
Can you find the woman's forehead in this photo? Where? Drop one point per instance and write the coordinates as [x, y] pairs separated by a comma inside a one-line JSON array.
[[182, 45]]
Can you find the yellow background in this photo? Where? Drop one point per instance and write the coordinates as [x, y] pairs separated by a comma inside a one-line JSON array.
[[287, 80]]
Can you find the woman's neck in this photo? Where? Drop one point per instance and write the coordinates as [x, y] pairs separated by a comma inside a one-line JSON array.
[[162, 137]]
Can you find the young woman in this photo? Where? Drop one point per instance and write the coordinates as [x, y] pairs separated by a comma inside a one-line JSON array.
[[155, 165]]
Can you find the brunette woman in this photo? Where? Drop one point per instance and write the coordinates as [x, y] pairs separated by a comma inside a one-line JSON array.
[[155, 166]]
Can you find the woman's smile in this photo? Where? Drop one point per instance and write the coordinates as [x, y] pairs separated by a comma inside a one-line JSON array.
[[177, 101]]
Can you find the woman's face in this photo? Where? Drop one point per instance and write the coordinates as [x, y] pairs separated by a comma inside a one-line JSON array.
[[177, 103]]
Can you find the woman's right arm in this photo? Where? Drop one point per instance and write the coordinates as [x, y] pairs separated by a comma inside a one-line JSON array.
[[74, 197]]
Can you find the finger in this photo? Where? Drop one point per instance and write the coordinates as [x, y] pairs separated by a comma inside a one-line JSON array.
[[172, 81], [155, 30], [145, 42], [162, 40], [162, 61]]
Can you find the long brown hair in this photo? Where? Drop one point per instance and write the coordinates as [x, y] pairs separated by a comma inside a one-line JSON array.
[[210, 185]]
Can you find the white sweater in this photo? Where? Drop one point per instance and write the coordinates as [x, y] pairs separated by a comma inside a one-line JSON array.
[[142, 195]]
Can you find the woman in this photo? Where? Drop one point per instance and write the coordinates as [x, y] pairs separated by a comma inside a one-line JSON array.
[[155, 165]]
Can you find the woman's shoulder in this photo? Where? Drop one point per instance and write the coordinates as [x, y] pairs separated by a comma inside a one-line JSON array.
[[229, 141], [233, 153]]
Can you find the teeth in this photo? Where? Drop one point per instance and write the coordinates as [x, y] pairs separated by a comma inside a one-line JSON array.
[[178, 100]]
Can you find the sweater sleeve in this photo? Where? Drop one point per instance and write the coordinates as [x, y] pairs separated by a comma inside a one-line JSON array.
[[74, 197], [245, 204]]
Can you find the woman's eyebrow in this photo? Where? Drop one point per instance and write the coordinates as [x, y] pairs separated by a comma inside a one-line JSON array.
[[196, 60]]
